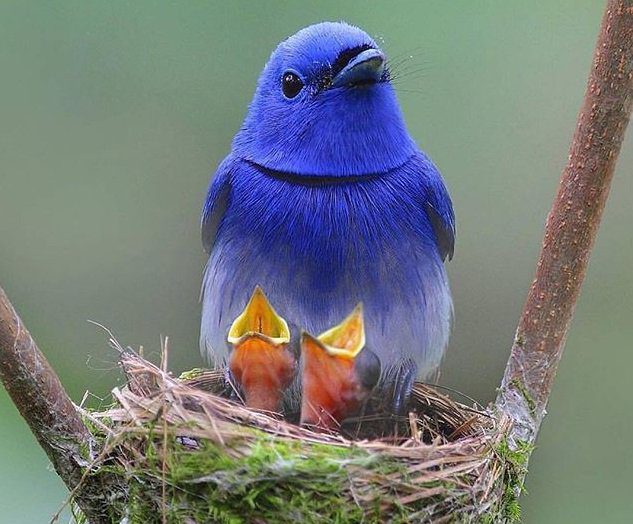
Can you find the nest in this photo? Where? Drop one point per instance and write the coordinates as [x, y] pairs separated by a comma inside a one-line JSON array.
[[180, 452]]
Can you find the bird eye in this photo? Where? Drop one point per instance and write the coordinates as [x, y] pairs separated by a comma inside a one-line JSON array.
[[291, 85]]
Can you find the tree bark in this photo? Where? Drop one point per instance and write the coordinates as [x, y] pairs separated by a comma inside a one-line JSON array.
[[42, 401], [571, 226]]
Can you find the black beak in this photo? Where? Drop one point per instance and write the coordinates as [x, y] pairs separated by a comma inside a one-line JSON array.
[[366, 67]]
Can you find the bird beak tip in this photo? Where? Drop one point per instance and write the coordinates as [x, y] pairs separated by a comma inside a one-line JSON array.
[[346, 339]]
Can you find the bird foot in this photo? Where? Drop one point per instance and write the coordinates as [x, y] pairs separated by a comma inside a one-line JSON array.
[[402, 386]]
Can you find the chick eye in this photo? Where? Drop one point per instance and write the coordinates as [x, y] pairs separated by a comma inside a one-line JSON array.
[[291, 85]]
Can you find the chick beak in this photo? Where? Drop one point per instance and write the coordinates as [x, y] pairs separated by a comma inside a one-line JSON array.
[[366, 67], [261, 362], [334, 386]]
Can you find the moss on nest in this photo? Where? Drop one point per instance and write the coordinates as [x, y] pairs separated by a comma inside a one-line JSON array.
[[183, 454]]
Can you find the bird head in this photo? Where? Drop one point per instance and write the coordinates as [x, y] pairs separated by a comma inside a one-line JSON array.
[[325, 106], [260, 361], [339, 372]]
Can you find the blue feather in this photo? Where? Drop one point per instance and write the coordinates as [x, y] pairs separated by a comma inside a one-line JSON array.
[[215, 204]]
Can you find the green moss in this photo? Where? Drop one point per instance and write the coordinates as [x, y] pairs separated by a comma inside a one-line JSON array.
[[192, 373], [515, 460], [276, 481], [520, 387]]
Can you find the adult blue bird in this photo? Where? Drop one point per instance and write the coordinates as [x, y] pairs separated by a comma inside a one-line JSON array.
[[326, 201]]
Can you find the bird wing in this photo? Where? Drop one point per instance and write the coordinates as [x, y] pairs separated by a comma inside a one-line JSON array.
[[439, 209], [216, 203]]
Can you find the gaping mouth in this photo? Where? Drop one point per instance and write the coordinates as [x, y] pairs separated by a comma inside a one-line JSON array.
[[259, 319], [346, 339]]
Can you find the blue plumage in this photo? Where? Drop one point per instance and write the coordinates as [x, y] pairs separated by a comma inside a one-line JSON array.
[[326, 201]]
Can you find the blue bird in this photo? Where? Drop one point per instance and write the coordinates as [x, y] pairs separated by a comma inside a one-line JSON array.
[[326, 201]]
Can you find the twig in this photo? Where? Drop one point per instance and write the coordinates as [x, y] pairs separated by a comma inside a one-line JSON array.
[[42, 401], [164, 360], [571, 226]]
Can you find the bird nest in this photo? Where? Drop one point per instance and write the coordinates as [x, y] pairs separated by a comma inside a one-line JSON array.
[[180, 452]]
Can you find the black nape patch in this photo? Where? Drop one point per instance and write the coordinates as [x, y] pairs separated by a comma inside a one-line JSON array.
[[345, 56]]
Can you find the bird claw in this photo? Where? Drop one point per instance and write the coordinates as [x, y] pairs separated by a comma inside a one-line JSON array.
[[402, 385]]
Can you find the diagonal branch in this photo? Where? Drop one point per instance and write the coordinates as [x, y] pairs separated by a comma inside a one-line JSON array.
[[571, 225], [42, 401]]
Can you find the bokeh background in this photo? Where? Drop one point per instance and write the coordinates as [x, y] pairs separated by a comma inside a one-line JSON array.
[[113, 114]]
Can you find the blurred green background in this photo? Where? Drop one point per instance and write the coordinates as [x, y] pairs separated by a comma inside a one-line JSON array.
[[112, 116]]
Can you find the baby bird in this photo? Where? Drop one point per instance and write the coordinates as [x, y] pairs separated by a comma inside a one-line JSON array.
[[338, 372], [260, 362]]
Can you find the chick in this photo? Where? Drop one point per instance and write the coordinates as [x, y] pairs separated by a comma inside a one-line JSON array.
[[338, 372], [260, 361]]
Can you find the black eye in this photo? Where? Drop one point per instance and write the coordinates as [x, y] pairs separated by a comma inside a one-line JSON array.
[[291, 84]]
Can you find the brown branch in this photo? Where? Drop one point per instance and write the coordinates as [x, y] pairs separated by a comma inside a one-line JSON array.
[[42, 401], [571, 225]]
